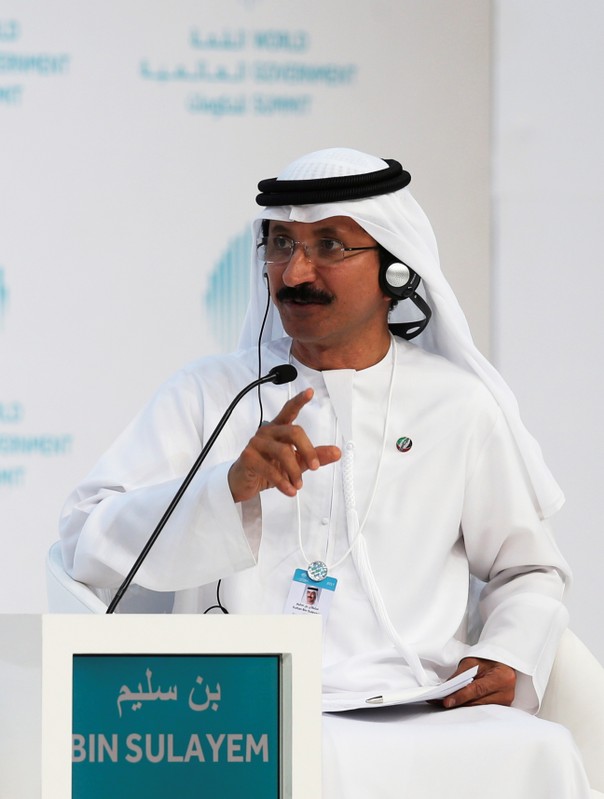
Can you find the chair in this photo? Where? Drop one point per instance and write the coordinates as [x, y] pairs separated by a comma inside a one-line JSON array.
[[66, 595], [574, 697]]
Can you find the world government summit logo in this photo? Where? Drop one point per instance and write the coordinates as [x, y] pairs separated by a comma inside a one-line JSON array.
[[228, 291]]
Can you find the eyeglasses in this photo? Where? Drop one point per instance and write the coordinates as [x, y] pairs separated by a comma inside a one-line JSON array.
[[326, 252]]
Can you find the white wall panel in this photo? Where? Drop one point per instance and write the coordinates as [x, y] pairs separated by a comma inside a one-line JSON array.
[[549, 272]]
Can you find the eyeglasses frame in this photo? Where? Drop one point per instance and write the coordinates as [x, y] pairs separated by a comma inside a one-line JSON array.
[[305, 246]]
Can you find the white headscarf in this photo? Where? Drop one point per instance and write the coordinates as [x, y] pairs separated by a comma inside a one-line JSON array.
[[398, 223]]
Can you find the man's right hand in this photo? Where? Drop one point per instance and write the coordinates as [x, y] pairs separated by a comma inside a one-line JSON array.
[[278, 454]]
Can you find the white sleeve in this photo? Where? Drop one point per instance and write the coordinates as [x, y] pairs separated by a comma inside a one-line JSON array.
[[110, 516], [512, 549]]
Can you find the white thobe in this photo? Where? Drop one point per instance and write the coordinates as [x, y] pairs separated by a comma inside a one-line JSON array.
[[402, 532]]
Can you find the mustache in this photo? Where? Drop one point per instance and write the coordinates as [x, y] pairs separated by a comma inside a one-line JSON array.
[[304, 293]]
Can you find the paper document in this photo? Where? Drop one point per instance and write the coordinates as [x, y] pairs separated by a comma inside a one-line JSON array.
[[354, 701]]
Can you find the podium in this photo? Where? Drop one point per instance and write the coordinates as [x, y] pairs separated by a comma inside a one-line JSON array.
[[181, 705]]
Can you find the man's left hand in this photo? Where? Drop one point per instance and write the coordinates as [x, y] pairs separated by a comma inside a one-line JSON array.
[[495, 684]]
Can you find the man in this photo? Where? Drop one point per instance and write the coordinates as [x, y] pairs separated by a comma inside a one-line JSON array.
[[311, 596], [390, 473]]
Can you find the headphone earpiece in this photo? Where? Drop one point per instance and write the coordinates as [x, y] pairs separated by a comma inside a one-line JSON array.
[[397, 280]]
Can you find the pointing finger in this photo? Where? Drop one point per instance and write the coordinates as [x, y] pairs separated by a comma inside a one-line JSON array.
[[289, 412]]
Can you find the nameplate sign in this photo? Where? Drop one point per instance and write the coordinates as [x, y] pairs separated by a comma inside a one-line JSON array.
[[187, 706]]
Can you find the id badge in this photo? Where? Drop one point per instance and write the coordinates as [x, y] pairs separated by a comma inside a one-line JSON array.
[[310, 596]]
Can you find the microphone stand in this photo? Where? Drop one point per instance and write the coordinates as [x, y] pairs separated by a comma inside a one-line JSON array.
[[279, 374]]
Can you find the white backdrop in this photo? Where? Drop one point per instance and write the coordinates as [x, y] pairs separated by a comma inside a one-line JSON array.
[[132, 136], [548, 326]]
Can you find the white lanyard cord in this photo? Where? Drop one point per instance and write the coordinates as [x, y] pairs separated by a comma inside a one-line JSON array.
[[363, 564]]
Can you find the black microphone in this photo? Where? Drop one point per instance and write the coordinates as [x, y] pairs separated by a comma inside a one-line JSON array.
[[284, 373]]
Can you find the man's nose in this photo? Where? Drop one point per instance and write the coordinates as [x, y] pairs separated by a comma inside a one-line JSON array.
[[300, 268]]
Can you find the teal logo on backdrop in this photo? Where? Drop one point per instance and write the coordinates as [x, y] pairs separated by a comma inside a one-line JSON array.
[[187, 726], [3, 297], [228, 293]]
